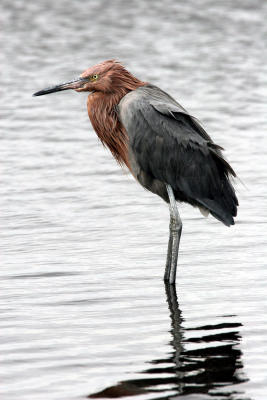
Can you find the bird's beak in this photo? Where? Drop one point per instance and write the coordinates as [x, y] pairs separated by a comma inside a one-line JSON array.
[[75, 84]]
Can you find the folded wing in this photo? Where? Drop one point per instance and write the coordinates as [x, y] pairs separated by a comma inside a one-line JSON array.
[[173, 148]]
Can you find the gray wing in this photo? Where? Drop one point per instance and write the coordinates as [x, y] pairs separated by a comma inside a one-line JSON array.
[[172, 147]]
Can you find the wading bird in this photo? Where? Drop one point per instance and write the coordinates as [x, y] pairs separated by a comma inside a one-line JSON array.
[[164, 147]]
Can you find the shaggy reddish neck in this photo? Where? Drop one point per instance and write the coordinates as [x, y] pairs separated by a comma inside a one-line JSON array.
[[103, 116], [123, 82]]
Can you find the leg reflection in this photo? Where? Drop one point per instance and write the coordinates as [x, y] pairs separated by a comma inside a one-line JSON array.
[[204, 359]]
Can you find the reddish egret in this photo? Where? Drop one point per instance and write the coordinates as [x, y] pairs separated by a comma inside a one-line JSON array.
[[163, 146]]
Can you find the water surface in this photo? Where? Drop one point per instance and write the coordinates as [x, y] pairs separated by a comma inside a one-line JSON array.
[[84, 311]]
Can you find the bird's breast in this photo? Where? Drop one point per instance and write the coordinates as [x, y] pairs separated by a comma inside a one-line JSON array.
[[104, 119]]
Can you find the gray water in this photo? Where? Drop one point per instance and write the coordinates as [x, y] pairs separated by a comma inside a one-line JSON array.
[[84, 311]]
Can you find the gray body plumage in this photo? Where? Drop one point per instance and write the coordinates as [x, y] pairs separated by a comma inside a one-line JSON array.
[[168, 146]]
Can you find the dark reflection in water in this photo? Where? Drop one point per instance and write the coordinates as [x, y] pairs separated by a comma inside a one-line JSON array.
[[212, 368]]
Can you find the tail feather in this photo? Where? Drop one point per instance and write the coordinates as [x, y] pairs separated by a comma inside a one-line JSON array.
[[218, 211], [223, 206]]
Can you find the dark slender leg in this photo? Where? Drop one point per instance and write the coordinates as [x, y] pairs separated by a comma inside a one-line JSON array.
[[174, 239], [169, 259]]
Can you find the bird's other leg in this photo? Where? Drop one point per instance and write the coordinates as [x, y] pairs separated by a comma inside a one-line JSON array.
[[174, 239]]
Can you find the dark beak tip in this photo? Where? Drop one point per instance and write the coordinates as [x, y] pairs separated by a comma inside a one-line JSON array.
[[36, 94], [39, 93]]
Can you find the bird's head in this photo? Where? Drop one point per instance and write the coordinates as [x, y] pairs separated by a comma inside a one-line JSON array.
[[107, 77]]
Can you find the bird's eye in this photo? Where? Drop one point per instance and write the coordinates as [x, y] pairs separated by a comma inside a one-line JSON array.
[[94, 77]]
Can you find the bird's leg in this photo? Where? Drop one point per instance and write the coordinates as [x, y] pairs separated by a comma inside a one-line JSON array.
[[169, 258], [174, 239]]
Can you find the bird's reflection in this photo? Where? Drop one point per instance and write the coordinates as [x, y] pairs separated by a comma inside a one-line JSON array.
[[213, 367]]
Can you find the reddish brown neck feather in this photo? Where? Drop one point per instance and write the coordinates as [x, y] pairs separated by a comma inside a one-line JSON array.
[[101, 107]]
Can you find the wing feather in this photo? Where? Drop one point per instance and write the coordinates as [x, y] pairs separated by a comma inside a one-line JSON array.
[[173, 148]]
